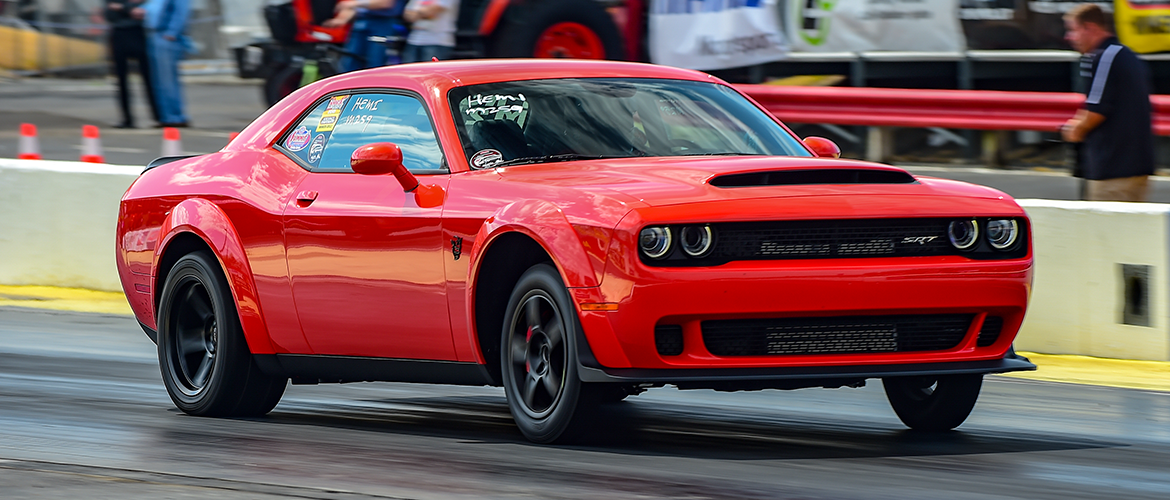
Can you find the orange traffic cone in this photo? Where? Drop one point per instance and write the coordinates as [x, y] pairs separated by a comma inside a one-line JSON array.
[[91, 145], [30, 148], [171, 145]]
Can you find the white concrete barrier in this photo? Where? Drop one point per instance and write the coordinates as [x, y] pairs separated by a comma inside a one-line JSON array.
[[1101, 280], [57, 222]]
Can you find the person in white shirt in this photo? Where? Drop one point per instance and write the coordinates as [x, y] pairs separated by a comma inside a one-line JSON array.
[[432, 29]]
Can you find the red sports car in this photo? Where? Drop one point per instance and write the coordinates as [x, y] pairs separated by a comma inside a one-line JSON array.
[[573, 231]]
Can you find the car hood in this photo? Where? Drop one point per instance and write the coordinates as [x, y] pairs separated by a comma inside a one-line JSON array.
[[665, 181]]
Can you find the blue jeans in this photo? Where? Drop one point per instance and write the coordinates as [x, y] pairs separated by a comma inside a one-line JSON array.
[[164, 68], [420, 53], [374, 52]]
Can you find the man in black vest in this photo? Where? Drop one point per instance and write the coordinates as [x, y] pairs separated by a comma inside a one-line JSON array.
[[1117, 153]]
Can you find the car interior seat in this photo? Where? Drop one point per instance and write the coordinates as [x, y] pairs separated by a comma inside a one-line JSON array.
[[504, 136]]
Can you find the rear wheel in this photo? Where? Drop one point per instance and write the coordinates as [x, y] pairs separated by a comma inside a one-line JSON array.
[[538, 359], [206, 366], [933, 403], [576, 29]]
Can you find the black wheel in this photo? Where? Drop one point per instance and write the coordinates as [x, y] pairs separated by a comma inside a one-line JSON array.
[[205, 362], [933, 403], [578, 29], [282, 82], [538, 359]]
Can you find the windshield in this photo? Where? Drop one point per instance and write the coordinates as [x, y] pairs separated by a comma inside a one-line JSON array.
[[566, 119]]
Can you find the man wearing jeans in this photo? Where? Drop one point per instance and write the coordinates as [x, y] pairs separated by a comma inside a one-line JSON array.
[[432, 29], [166, 22]]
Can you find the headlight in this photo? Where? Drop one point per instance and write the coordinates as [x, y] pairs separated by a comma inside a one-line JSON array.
[[1002, 233], [963, 233], [655, 242], [696, 240]]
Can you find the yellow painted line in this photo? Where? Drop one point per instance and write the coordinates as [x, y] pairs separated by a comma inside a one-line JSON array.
[[1129, 374], [64, 299]]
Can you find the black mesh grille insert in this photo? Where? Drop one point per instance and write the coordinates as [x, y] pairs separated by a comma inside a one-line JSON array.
[[813, 176], [668, 339], [836, 335], [830, 239], [992, 326]]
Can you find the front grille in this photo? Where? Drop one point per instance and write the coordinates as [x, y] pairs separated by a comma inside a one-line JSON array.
[[668, 339], [832, 239], [989, 333], [835, 335]]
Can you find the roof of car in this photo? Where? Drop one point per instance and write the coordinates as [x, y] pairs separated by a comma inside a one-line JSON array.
[[474, 71]]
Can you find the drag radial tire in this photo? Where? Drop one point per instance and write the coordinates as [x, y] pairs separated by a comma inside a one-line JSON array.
[[538, 360], [205, 362], [937, 403], [281, 82], [577, 29]]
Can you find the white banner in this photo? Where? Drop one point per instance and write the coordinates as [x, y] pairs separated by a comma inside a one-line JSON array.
[[715, 34], [865, 25]]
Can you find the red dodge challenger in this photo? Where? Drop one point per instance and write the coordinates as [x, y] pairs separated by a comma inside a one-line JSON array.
[[573, 231]]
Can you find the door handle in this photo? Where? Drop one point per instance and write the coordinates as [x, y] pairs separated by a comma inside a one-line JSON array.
[[305, 198]]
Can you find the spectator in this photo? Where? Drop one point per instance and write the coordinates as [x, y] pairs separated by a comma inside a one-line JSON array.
[[166, 24], [374, 22], [128, 41], [432, 29], [1117, 154]]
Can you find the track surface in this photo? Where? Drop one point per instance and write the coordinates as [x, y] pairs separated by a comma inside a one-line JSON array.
[[83, 414]]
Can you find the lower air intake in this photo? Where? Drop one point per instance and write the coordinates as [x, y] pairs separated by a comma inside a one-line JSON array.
[[668, 339], [835, 335]]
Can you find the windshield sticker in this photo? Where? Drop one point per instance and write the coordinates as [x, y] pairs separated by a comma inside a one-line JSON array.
[[337, 103], [316, 148], [495, 107], [328, 121], [298, 139], [486, 158]]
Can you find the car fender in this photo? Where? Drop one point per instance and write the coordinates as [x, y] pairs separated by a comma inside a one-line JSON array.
[[546, 223], [207, 221]]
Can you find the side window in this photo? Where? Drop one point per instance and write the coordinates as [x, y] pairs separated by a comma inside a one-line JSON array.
[[368, 118], [305, 141], [328, 136]]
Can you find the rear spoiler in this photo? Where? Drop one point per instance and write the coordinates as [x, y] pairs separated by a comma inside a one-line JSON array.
[[163, 160]]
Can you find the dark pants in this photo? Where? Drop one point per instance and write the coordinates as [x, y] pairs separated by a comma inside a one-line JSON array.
[[127, 44]]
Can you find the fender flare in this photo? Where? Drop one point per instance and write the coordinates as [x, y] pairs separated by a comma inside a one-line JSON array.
[[207, 221], [545, 223]]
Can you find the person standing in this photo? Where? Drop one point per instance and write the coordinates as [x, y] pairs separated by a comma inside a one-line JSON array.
[[128, 41], [166, 24], [432, 29], [1117, 150], [375, 23]]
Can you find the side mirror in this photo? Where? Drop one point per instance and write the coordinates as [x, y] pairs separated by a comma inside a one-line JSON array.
[[822, 147], [381, 158]]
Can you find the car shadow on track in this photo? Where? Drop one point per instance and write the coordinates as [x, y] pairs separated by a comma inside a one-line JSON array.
[[655, 429]]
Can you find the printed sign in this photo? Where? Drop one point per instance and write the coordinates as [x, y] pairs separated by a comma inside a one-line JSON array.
[[868, 25], [298, 139], [1143, 25], [486, 158], [316, 148], [710, 35]]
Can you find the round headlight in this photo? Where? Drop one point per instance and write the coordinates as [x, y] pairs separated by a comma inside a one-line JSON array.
[[696, 241], [1002, 233], [963, 233], [655, 242]]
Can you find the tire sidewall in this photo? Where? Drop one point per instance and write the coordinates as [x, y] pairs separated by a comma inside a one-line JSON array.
[[203, 269], [555, 423]]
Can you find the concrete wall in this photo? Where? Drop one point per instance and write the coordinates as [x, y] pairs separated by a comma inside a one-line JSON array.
[[57, 222], [1079, 296]]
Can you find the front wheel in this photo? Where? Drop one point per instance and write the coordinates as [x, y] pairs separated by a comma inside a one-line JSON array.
[[538, 359], [574, 29], [937, 403], [205, 362]]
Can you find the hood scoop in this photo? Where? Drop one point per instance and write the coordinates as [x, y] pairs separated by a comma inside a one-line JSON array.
[[813, 176]]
